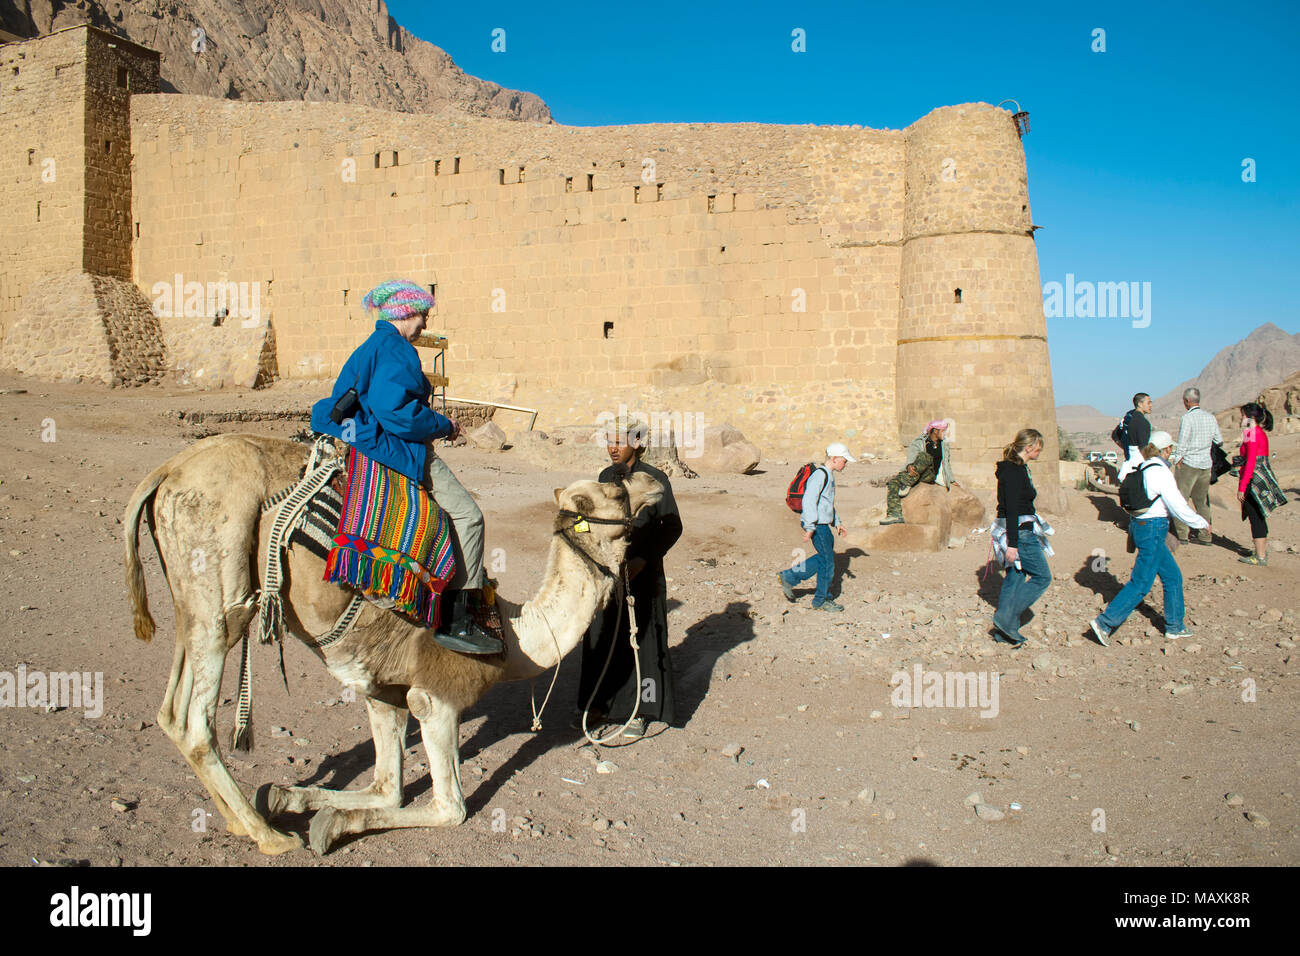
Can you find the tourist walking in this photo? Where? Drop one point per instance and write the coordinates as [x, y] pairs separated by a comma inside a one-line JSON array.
[[1019, 537], [1136, 433], [1148, 526], [817, 517], [1257, 489], [1197, 433]]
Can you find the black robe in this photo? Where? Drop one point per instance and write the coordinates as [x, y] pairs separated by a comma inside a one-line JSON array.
[[654, 533]]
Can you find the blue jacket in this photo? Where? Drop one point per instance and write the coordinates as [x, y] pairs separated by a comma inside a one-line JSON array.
[[395, 420]]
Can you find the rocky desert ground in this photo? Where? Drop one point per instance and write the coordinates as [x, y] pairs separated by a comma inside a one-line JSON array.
[[792, 749]]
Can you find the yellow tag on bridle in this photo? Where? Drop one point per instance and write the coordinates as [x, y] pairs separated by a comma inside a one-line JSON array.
[[581, 525]]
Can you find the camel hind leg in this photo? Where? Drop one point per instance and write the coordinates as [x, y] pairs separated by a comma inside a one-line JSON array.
[[440, 728], [190, 722], [387, 725], [173, 719]]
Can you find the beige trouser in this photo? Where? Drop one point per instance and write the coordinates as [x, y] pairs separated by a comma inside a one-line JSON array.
[[466, 521], [1194, 485]]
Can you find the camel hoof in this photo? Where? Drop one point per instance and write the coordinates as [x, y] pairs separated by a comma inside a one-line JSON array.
[[280, 843], [235, 828], [326, 827], [265, 805]]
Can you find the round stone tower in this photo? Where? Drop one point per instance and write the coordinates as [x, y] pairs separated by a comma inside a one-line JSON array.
[[972, 339]]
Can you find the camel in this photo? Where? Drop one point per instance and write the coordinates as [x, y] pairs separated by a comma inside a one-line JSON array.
[[204, 513]]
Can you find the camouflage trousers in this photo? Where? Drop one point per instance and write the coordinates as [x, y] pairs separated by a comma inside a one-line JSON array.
[[925, 471]]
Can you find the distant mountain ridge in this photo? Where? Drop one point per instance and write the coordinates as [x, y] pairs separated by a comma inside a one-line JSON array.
[[1083, 418], [1237, 373], [346, 51]]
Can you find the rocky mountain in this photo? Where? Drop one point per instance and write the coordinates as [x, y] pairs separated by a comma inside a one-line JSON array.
[[1283, 400], [1237, 373], [348, 51], [1083, 418]]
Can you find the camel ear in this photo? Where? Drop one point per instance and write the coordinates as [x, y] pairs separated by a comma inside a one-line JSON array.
[[558, 492]]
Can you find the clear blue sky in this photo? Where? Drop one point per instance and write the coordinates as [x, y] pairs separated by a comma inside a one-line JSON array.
[[1134, 155]]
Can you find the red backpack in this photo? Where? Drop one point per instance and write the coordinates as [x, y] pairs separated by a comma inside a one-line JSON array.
[[794, 494]]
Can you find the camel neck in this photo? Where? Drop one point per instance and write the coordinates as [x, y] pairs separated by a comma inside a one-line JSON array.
[[551, 624]]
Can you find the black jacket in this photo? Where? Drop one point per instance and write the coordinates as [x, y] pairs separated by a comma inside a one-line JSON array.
[[1016, 494]]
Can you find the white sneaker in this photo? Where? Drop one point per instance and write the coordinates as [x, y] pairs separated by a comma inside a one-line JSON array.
[[1100, 631]]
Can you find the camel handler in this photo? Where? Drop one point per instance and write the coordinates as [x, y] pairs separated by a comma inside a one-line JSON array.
[[380, 405], [927, 460]]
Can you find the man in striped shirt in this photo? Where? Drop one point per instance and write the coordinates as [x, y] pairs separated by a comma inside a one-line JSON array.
[[1191, 459]]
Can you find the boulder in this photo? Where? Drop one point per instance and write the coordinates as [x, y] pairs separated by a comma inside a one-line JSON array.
[[488, 435], [968, 512], [722, 450], [934, 517], [927, 504], [956, 512]]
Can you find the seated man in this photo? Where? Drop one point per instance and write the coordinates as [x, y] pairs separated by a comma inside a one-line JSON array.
[[927, 460]]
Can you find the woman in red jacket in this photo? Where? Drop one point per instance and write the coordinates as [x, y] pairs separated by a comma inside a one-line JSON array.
[[1256, 420]]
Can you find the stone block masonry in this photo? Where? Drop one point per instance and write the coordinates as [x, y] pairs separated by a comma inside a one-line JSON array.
[[808, 284]]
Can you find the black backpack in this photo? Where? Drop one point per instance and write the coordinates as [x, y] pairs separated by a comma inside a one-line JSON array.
[[1120, 435], [1133, 495]]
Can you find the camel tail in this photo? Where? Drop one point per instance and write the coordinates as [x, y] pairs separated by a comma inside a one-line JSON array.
[[135, 586]]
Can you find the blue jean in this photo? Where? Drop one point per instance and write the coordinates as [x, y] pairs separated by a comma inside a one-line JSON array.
[[822, 564], [1153, 560], [1020, 589]]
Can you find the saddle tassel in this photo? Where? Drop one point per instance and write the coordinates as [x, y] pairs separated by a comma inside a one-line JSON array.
[[270, 619], [242, 740]]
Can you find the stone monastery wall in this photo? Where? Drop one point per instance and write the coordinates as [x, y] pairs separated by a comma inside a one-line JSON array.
[[807, 284], [778, 277]]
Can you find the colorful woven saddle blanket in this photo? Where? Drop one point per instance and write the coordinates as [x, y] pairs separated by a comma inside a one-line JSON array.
[[390, 540]]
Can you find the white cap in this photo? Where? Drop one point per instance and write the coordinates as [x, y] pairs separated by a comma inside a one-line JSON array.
[[839, 450], [1162, 440]]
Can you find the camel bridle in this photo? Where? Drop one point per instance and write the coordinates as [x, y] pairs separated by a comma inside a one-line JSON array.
[[624, 597]]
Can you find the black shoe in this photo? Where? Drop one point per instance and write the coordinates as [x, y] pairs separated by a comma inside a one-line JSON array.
[[464, 634]]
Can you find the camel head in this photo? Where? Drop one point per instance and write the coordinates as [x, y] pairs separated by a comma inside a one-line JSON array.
[[612, 505]]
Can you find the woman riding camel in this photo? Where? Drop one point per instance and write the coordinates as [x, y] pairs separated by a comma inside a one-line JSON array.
[[388, 419]]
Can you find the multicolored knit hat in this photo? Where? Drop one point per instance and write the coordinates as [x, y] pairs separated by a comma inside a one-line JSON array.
[[397, 299]]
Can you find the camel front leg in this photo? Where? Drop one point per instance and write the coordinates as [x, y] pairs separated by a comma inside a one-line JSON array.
[[387, 724], [440, 728]]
